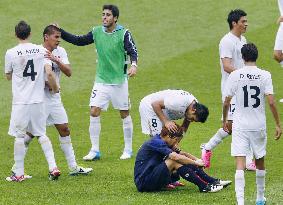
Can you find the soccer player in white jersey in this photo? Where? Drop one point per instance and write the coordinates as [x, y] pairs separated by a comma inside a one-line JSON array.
[[230, 60], [26, 66], [278, 46], [55, 112], [249, 86], [160, 108]]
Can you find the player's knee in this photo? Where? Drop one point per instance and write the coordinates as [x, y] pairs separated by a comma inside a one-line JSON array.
[[95, 111], [277, 56], [64, 131], [124, 113]]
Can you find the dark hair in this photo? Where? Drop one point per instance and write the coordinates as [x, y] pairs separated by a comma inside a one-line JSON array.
[[234, 16], [201, 112], [22, 30], [113, 8], [249, 52], [178, 133], [50, 29]]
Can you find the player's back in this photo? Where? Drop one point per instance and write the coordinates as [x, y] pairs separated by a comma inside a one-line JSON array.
[[26, 63], [250, 85]]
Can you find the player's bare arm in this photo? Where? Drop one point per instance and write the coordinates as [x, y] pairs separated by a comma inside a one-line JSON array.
[[225, 112], [182, 159], [51, 78], [65, 68], [185, 124], [133, 69], [278, 129], [227, 65], [157, 107]]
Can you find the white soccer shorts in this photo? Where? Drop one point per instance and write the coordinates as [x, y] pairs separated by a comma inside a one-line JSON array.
[[29, 118], [243, 140], [150, 123], [279, 39], [118, 95], [55, 114]]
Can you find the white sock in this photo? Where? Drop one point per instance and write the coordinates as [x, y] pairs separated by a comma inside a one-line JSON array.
[[19, 156], [128, 133], [240, 186], [216, 139], [47, 149], [67, 147], [94, 132], [260, 183]]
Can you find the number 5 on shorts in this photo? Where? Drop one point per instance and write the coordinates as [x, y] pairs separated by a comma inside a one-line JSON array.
[[93, 93]]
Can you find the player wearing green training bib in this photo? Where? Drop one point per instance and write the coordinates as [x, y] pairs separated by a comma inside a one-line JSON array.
[[113, 44]]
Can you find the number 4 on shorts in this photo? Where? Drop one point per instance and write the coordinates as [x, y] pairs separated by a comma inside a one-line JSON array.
[[29, 66]]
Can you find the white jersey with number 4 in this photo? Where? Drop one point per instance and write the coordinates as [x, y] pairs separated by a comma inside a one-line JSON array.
[[26, 63], [60, 53], [176, 102], [230, 47], [249, 85]]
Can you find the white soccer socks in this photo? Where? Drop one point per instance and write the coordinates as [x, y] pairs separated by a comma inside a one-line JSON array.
[[216, 139], [67, 148], [240, 186], [19, 155], [260, 183], [128, 133], [94, 133], [48, 151]]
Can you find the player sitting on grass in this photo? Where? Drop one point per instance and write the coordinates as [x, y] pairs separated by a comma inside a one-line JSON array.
[[158, 161]]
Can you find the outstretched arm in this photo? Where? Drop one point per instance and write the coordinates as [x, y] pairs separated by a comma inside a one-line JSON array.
[[81, 40]]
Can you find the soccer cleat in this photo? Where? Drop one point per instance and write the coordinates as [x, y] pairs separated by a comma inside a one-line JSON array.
[[80, 170], [14, 178], [126, 155], [251, 166], [92, 155], [222, 183], [178, 183], [261, 202], [205, 156], [54, 174], [211, 188]]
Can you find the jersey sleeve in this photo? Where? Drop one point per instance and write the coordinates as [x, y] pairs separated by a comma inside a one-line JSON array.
[[160, 146], [225, 49], [268, 85], [8, 63], [64, 56]]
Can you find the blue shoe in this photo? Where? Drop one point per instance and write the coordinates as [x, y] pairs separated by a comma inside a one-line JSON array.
[[92, 155], [262, 202]]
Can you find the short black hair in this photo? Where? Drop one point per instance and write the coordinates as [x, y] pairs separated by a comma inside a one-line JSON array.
[[234, 16], [201, 112], [50, 29], [178, 133], [114, 9], [249, 52], [22, 30]]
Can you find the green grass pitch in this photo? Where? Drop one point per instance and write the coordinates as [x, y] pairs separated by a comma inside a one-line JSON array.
[[178, 48]]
